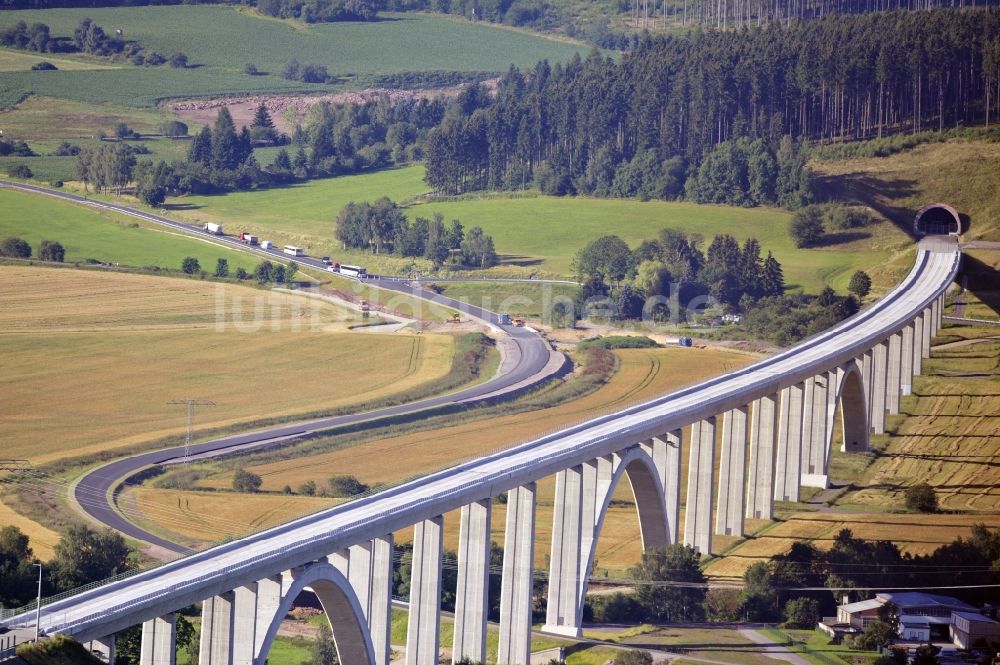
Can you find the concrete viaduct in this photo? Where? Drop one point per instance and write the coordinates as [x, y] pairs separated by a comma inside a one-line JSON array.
[[776, 419]]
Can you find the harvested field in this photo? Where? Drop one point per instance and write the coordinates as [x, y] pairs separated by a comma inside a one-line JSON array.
[[642, 374], [131, 343], [915, 534]]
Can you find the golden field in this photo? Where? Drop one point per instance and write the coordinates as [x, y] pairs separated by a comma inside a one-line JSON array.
[[642, 374], [93, 358]]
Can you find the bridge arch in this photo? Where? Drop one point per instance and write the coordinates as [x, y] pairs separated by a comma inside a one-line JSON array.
[[937, 219], [852, 406], [644, 478], [341, 606]]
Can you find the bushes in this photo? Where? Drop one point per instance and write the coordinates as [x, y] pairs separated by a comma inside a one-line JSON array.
[[15, 248], [43, 66], [802, 613], [21, 171], [921, 498], [174, 129], [245, 481], [807, 226], [344, 486], [51, 250], [18, 148], [619, 342]]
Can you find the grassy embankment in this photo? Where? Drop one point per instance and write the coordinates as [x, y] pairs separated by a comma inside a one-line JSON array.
[[536, 234], [641, 374], [220, 40], [131, 343]]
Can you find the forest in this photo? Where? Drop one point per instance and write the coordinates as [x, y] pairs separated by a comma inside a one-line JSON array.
[[671, 102]]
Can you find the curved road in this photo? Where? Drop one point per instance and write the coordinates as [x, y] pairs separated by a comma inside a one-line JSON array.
[[532, 353]]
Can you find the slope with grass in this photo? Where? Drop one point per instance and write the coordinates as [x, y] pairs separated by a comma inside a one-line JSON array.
[[642, 374], [219, 40], [87, 233], [946, 435], [963, 173], [539, 234]]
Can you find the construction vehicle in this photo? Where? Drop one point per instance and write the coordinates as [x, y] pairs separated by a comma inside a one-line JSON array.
[[455, 318]]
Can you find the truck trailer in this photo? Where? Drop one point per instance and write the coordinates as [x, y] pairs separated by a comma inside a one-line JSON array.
[[214, 229]]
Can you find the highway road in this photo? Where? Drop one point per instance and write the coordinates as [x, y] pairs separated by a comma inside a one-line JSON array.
[[152, 593], [533, 354]]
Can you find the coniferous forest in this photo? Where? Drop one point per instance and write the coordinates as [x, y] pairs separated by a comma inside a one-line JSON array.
[[644, 125]]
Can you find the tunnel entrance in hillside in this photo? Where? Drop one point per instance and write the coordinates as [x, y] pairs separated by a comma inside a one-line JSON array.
[[937, 219]]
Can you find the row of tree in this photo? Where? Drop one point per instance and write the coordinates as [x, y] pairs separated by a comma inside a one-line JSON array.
[[572, 128], [89, 38], [381, 227], [81, 556], [18, 248]]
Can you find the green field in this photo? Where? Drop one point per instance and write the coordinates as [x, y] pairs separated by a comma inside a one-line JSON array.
[[539, 233], [220, 40], [90, 234]]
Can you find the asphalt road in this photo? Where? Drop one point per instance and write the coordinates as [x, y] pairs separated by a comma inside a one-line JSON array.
[[533, 355]]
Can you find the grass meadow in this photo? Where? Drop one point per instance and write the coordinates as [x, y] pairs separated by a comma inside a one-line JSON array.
[[642, 374], [220, 40], [537, 234], [88, 233]]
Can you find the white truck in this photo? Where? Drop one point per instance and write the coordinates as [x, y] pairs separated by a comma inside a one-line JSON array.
[[266, 244], [214, 229]]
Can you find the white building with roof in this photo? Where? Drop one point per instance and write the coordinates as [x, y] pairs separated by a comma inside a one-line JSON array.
[[968, 628]]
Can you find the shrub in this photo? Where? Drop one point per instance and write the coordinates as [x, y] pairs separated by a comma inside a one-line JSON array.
[[67, 149], [174, 129], [16, 248], [842, 217], [634, 657], [802, 613], [43, 66], [123, 131], [861, 284], [921, 498], [250, 69], [50, 250], [807, 226], [245, 481], [179, 60], [21, 171], [619, 342], [190, 265], [308, 488], [344, 486]]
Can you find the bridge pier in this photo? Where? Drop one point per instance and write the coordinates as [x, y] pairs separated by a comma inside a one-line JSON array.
[[814, 429], [380, 600], [906, 370], [894, 383], [561, 616], [732, 473], [918, 345], [516, 587], [244, 637], [925, 341], [216, 630], [674, 442], [880, 374], [763, 437], [103, 648], [787, 463], [159, 641], [270, 591], [472, 592], [423, 626], [701, 476]]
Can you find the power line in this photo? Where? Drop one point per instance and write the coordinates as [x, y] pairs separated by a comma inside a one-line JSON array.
[[190, 403]]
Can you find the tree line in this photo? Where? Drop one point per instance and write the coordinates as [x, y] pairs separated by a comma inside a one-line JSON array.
[[309, 11], [88, 38], [595, 125], [381, 227]]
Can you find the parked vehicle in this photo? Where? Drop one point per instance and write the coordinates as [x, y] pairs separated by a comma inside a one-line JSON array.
[[292, 250], [353, 271], [214, 229], [267, 244]]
